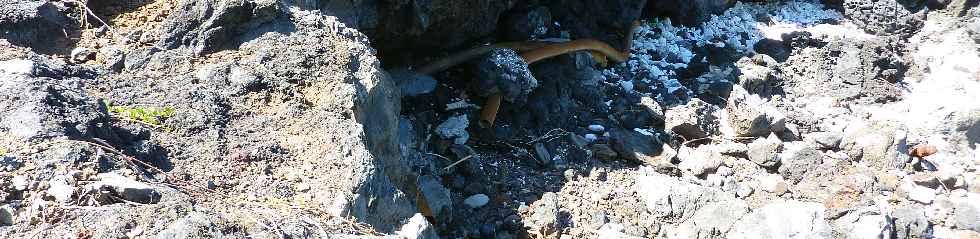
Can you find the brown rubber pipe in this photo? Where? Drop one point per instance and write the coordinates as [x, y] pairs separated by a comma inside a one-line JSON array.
[[489, 111], [455, 59]]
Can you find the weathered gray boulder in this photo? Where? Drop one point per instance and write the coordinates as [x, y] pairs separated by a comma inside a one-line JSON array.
[[34, 24], [967, 212], [886, 17], [640, 147], [334, 127], [696, 119], [699, 210], [761, 75], [44, 100], [797, 159], [865, 222], [911, 222], [749, 115], [789, 219], [209, 26], [880, 144], [765, 151]]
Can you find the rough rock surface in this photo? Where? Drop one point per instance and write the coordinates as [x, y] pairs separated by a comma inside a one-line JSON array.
[[791, 219]]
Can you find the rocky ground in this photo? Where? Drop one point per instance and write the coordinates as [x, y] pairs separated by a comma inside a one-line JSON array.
[[317, 119]]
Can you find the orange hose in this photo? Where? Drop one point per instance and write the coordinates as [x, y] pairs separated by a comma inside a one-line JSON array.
[[489, 111]]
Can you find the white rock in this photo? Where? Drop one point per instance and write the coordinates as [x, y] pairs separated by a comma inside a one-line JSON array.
[[920, 194], [477, 200], [59, 189], [417, 227], [19, 182]]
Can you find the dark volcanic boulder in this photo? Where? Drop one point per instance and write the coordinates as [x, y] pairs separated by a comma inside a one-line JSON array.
[[35, 24]]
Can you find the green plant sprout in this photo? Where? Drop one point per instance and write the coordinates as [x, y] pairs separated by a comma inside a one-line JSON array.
[[149, 116]]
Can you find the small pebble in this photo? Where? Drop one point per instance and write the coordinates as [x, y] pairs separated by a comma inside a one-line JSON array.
[[591, 137], [597, 128]]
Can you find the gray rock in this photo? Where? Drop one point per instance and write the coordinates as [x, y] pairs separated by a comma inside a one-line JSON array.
[[732, 149], [194, 225], [633, 145], [699, 160], [126, 188], [823, 140], [852, 70], [435, 197], [910, 222], [604, 152], [967, 213], [454, 128], [417, 227], [544, 215], [503, 72], [749, 115], [476, 201], [702, 210], [885, 17], [7, 215], [47, 103], [412, 83], [696, 119], [965, 126], [865, 222], [208, 26], [113, 58], [81, 55], [796, 160], [765, 151], [761, 75], [880, 144], [34, 24], [789, 219], [773, 183]]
